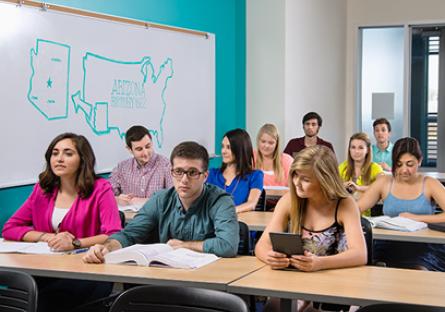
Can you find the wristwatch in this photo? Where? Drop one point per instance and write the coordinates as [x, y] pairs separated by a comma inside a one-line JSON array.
[[76, 243]]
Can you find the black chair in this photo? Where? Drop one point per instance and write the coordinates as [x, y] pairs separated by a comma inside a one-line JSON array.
[[178, 299], [122, 217], [399, 307], [244, 239], [367, 232], [18, 292], [261, 205]]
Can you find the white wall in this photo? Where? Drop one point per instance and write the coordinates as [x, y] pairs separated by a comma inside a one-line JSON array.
[[265, 64], [381, 13], [315, 67], [296, 64]]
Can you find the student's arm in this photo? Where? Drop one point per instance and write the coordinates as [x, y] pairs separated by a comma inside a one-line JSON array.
[[374, 193], [252, 201], [436, 192], [108, 223], [349, 217], [226, 239], [97, 252], [279, 222], [255, 188], [23, 220]]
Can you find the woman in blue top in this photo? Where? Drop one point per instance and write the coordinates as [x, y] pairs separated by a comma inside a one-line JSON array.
[[236, 175], [411, 195]]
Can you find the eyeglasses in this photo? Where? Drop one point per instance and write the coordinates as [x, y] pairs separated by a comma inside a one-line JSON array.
[[178, 173]]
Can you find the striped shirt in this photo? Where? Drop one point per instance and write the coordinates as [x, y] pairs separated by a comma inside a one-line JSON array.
[[142, 181]]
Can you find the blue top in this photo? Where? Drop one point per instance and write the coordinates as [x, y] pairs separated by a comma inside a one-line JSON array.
[[240, 188], [211, 218], [393, 206], [380, 156]]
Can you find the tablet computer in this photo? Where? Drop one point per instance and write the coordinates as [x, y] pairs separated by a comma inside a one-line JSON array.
[[437, 226], [287, 243]]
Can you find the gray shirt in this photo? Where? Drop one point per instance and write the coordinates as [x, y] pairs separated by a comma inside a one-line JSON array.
[[211, 218]]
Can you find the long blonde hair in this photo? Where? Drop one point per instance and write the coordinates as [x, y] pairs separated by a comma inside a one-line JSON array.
[[270, 129], [323, 164], [366, 169]]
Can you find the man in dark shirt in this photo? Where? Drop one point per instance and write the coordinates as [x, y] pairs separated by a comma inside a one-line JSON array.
[[311, 126], [192, 214]]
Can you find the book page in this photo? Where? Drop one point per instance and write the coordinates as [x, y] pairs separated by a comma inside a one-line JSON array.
[[139, 253], [183, 258], [40, 248], [403, 224]]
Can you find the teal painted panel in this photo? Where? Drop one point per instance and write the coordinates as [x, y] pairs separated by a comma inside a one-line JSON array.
[[225, 18]]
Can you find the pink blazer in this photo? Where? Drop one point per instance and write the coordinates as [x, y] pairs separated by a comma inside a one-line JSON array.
[[97, 214]]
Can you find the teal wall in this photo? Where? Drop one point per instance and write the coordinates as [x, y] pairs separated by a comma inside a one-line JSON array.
[[225, 18]]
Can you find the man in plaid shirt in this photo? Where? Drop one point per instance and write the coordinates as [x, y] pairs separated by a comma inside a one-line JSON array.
[[134, 180]]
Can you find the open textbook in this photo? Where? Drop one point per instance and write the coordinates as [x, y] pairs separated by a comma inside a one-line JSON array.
[[397, 223], [160, 255], [40, 248], [131, 207]]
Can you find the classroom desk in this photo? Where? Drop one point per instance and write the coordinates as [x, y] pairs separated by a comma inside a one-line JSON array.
[[275, 192], [354, 286], [437, 175], [129, 215], [422, 236], [216, 275], [256, 220]]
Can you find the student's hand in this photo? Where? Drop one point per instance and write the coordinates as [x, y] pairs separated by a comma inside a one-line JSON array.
[[124, 199], [62, 241], [47, 237], [351, 187], [410, 215], [277, 260], [308, 263], [385, 166], [95, 254], [175, 243]]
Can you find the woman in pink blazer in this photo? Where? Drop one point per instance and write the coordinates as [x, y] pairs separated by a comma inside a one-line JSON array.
[[69, 208]]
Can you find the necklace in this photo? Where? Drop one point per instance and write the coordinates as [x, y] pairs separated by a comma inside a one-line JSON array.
[[234, 188]]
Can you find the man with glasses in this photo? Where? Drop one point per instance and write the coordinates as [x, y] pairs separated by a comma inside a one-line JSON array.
[[191, 214]]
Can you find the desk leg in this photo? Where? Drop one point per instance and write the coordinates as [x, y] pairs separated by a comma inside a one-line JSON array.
[[286, 305]]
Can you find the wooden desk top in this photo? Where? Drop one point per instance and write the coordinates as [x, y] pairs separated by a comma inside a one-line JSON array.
[[216, 275], [437, 175], [275, 192], [422, 236], [358, 286], [256, 220], [129, 215]]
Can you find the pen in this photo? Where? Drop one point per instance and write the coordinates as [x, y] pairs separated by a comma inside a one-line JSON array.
[[78, 251]]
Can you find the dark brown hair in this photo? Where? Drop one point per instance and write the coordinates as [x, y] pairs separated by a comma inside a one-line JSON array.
[[382, 121], [136, 133], [85, 175], [191, 150], [402, 146], [312, 115], [241, 147]]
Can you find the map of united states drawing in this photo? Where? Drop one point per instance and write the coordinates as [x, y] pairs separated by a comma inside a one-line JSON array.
[[113, 92]]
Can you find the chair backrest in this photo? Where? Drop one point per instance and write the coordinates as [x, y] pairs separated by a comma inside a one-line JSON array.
[[367, 232], [261, 205], [399, 307], [18, 292], [122, 217], [244, 239], [179, 299]]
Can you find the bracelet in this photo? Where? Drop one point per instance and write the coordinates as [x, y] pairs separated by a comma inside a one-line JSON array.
[[40, 237]]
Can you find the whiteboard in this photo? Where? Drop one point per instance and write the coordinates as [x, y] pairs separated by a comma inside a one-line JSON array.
[[61, 72]]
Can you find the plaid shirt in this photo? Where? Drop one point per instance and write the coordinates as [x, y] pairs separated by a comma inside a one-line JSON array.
[[142, 181]]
